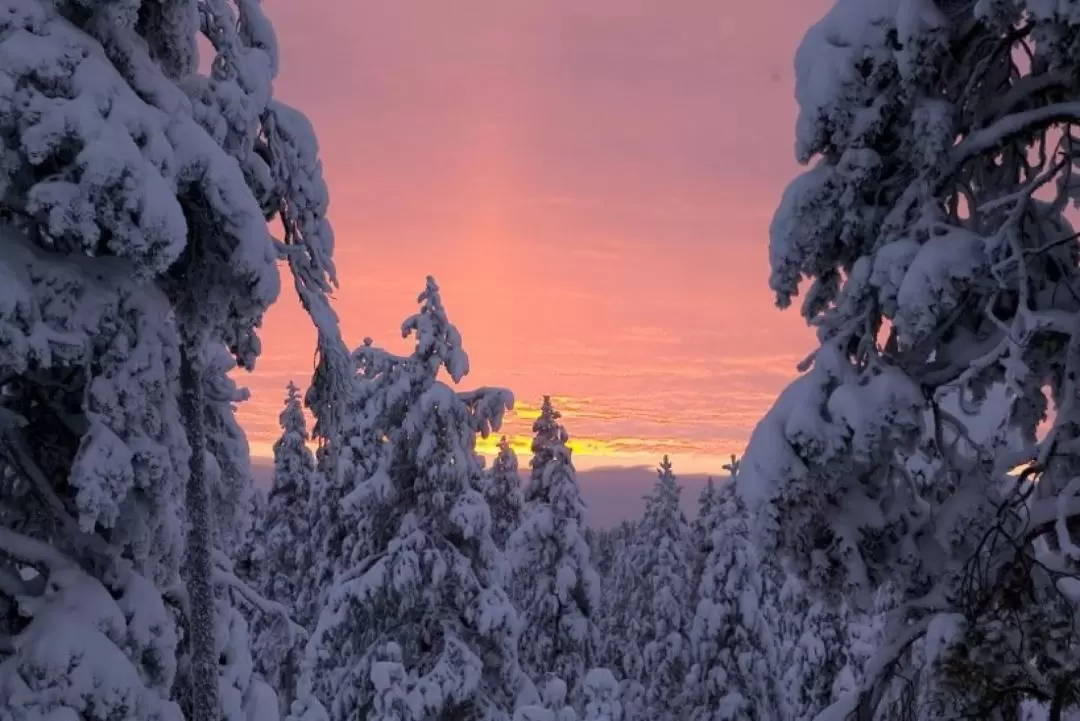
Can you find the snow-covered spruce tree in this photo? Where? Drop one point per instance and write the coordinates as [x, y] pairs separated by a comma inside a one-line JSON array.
[[503, 493], [556, 588], [662, 556], [431, 583], [617, 627], [126, 175], [341, 464], [734, 674], [284, 525], [706, 503], [285, 553], [930, 235], [601, 692], [811, 642], [249, 557]]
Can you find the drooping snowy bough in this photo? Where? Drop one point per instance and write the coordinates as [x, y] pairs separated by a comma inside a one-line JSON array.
[[931, 241]]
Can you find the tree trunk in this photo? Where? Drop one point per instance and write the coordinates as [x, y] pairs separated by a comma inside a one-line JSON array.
[[1057, 705], [287, 692], [198, 563]]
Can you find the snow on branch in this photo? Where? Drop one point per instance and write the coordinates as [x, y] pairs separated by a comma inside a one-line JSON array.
[[998, 132], [879, 671], [487, 407], [225, 577], [25, 462], [13, 585], [32, 551]]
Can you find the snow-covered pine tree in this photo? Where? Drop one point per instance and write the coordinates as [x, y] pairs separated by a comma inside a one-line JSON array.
[[556, 588], [811, 643], [342, 464], [617, 580], [601, 692], [430, 582], [662, 557], [128, 174], [285, 523], [503, 493], [706, 503], [734, 674], [940, 272], [249, 560], [285, 553]]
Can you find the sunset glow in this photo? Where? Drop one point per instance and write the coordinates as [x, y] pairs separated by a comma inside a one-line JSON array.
[[580, 183]]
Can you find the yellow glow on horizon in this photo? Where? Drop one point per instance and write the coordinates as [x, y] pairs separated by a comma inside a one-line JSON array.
[[588, 453]]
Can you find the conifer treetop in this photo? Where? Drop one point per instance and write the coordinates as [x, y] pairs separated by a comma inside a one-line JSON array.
[[438, 342]]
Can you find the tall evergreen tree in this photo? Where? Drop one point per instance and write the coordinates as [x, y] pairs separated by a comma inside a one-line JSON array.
[[702, 530], [662, 555], [619, 626], [504, 495], [136, 254], [285, 524], [338, 541], [601, 693], [285, 554], [811, 644], [734, 676], [427, 600], [558, 589], [706, 505], [931, 240]]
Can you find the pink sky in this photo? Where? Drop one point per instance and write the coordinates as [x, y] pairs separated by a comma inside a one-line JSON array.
[[591, 184]]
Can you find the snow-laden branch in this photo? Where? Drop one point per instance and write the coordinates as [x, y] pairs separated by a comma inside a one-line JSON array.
[[25, 462], [878, 673], [1026, 87], [1061, 524], [361, 568], [177, 594], [997, 132], [13, 585], [225, 577], [32, 551]]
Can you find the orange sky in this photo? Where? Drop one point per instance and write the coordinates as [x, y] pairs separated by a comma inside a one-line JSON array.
[[591, 184]]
